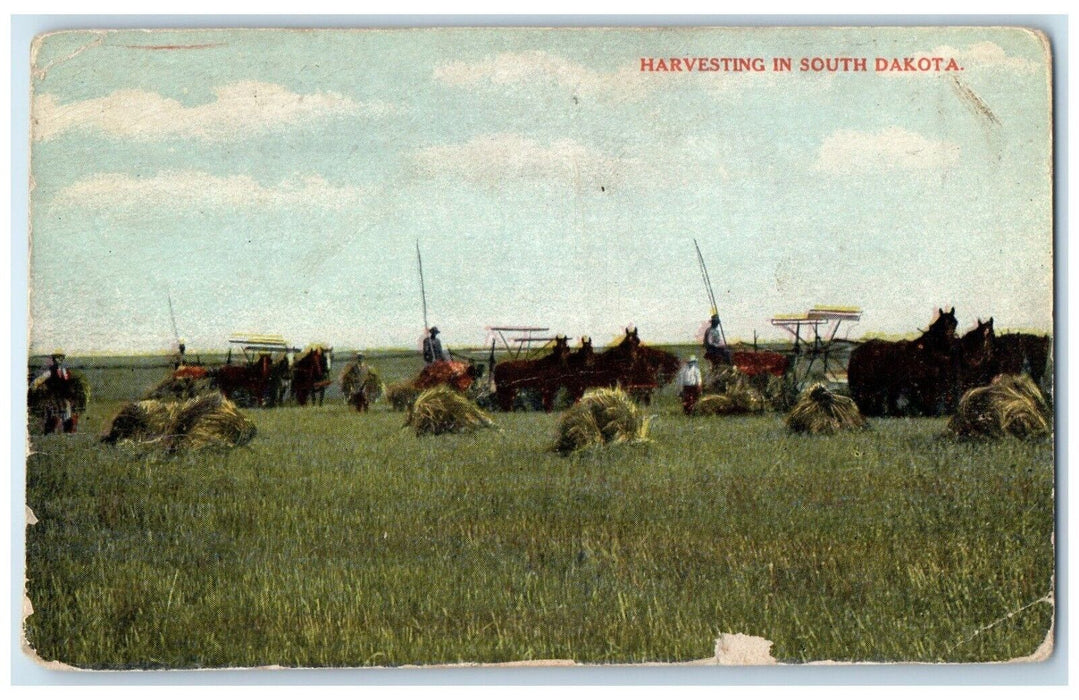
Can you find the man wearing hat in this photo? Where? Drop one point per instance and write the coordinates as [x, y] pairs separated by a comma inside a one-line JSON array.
[[354, 383], [432, 348], [60, 413], [691, 385], [714, 350]]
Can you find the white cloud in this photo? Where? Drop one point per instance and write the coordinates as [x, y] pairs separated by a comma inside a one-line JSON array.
[[536, 68], [892, 148], [239, 109], [495, 158], [193, 190]]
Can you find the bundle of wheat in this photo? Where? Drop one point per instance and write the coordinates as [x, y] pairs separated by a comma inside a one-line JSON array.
[[718, 380], [45, 392], [442, 410], [601, 417], [401, 395], [180, 387], [1011, 405], [373, 387], [208, 420], [213, 421], [738, 399], [820, 411]]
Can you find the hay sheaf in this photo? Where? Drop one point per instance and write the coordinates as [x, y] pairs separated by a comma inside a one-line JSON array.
[[43, 393], [442, 410], [731, 391], [401, 395], [738, 400], [821, 411], [180, 388], [601, 417], [1011, 405], [206, 421]]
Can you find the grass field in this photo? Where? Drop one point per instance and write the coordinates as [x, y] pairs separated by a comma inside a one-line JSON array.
[[339, 539]]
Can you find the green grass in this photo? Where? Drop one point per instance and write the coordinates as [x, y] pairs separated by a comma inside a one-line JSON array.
[[339, 539]]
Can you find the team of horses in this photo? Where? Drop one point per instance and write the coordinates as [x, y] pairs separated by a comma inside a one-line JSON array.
[[638, 369], [267, 383], [928, 375]]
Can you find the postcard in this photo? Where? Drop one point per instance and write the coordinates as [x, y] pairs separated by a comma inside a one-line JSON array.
[[552, 346]]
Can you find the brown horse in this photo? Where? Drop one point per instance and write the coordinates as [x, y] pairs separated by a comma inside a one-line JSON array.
[[907, 377], [1021, 353], [977, 365], [578, 365], [311, 375], [652, 369], [616, 366], [245, 385], [545, 376]]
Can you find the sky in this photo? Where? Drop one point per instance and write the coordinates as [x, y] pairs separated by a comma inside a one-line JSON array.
[[277, 181]]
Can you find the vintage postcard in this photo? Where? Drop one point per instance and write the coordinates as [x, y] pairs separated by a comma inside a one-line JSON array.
[[422, 347]]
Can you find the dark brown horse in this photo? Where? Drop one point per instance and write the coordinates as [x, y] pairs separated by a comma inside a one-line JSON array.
[[245, 385], [578, 365], [544, 376], [1022, 353], [652, 369], [908, 377], [311, 375], [977, 365], [616, 366]]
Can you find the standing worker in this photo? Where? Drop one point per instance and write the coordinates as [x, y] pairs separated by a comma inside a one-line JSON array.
[[714, 349], [691, 385], [60, 410], [432, 348], [354, 382]]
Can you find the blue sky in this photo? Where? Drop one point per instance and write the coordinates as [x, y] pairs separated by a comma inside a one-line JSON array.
[[277, 181]]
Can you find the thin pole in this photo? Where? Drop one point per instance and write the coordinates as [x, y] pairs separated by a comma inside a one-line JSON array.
[[423, 290], [172, 317], [708, 287]]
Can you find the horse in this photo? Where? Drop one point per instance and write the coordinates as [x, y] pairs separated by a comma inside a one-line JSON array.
[[545, 375], [616, 366], [1022, 353], [311, 375], [579, 363], [977, 351], [907, 377], [245, 385], [652, 369]]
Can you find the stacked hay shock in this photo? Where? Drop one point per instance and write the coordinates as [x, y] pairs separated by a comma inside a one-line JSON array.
[[601, 417], [50, 402], [731, 392], [1011, 405], [821, 411], [206, 421], [443, 410]]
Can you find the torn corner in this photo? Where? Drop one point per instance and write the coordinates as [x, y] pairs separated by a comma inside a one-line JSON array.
[[743, 650]]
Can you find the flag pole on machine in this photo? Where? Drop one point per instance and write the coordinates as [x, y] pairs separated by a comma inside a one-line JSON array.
[[708, 288]]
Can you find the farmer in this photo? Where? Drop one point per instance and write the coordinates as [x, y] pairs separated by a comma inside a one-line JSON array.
[[56, 380], [714, 349], [691, 385], [354, 382], [432, 348]]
